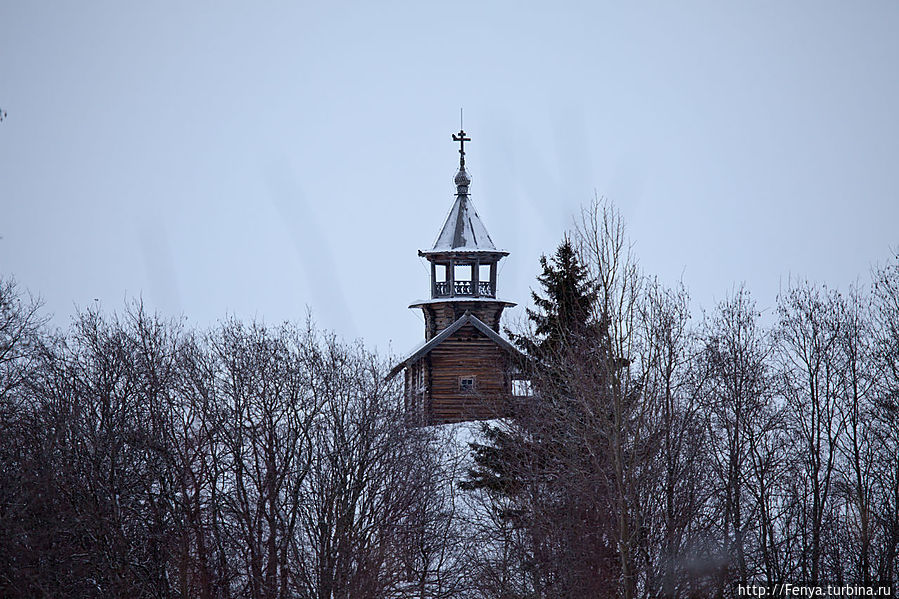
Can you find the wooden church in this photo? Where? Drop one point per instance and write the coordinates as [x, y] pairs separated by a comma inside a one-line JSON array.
[[464, 368]]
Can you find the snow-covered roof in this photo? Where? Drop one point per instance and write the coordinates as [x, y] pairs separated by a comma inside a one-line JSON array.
[[456, 299], [463, 229]]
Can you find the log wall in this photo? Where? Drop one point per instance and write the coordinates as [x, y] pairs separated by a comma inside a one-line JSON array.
[[438, 316], [467, 353]]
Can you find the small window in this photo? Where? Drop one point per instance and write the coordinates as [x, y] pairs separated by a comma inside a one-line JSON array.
[[467, 384], [521, 388]]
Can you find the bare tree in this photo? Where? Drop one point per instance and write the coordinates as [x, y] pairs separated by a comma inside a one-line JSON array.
[[606, 251], [266, 379], [736, 398], [20, 454], [808, 337], [886, 410], [674, 499], [438, 540], [366, 506], [20, 331], [854, 542], [94, 471]]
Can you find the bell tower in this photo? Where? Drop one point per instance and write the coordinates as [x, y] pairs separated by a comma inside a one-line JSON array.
[[464, 263], [464, 368]]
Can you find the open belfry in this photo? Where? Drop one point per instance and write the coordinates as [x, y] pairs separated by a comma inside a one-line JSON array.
[[464, 368]]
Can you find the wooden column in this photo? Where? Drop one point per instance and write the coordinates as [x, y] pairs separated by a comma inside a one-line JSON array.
[[475, 273], [433, 280], [451, 278], [493, 278]]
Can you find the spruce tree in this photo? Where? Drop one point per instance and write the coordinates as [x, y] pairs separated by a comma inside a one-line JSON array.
[[562, 314], [525, 465], [560, 320], [545, 470]]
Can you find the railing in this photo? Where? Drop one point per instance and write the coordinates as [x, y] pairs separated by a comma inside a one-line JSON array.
[[441, 288]]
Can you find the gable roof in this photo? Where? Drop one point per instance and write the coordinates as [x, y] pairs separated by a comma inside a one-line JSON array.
[[467, 318]]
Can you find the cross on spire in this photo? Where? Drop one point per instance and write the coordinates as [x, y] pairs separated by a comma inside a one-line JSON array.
[[460, 137]]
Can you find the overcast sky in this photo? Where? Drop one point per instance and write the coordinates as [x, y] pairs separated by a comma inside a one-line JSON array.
[[253, 160]]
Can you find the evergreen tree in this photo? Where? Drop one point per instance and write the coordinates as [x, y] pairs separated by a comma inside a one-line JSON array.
[[562, 314], [525, 465], [560, 320]]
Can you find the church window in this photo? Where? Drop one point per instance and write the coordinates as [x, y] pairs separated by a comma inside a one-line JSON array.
[[467, 384]]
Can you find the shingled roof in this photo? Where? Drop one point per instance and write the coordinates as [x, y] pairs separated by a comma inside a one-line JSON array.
[[463, 229]]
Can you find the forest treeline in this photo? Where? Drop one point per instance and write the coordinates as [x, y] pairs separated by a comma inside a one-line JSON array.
[[661, 454]]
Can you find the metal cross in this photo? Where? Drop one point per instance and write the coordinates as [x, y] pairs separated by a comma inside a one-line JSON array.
[[461, 139]]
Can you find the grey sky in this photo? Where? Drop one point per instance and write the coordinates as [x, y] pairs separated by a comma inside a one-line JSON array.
[[253, 160]]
